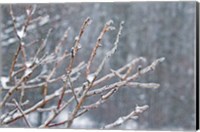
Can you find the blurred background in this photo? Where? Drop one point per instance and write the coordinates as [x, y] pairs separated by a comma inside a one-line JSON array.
[[151, 30]]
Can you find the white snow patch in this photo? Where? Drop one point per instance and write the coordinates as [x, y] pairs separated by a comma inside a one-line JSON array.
[[28, 64], [6, 119], [4, 81], [28, 11], [57, 93], [90, 77], [20, 33], [28, 72]]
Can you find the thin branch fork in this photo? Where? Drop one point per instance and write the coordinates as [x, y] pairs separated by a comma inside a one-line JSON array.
[[76, 47], [85, 90], [121, 120], [96, 91], [24, 78], [20, 35], [80, 67], [73, 54], [105, 29], [91, 81], [100, 101], [71, 87], [63, 39], [22, 112], [62, 94], [125, 82], [56, 112], [59, 108], [87, 108]]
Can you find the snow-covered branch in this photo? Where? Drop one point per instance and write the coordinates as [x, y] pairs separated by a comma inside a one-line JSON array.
[[42, 71]]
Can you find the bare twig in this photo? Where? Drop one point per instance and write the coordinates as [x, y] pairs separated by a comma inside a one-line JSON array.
[[76, 47], [62, 94], [22, 112], [22, 72], [42, 46], [72, 88], [100, 101], [92, 78], [24, 78], [138, 110], [97, 45], [124, 83], [20, 35]]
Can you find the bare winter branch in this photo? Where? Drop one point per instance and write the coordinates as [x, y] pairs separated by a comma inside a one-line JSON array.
[[138, 110], [42, 71]]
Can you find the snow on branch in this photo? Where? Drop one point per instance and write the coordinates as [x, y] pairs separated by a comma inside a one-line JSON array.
[[134, 114], [70, 93]]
